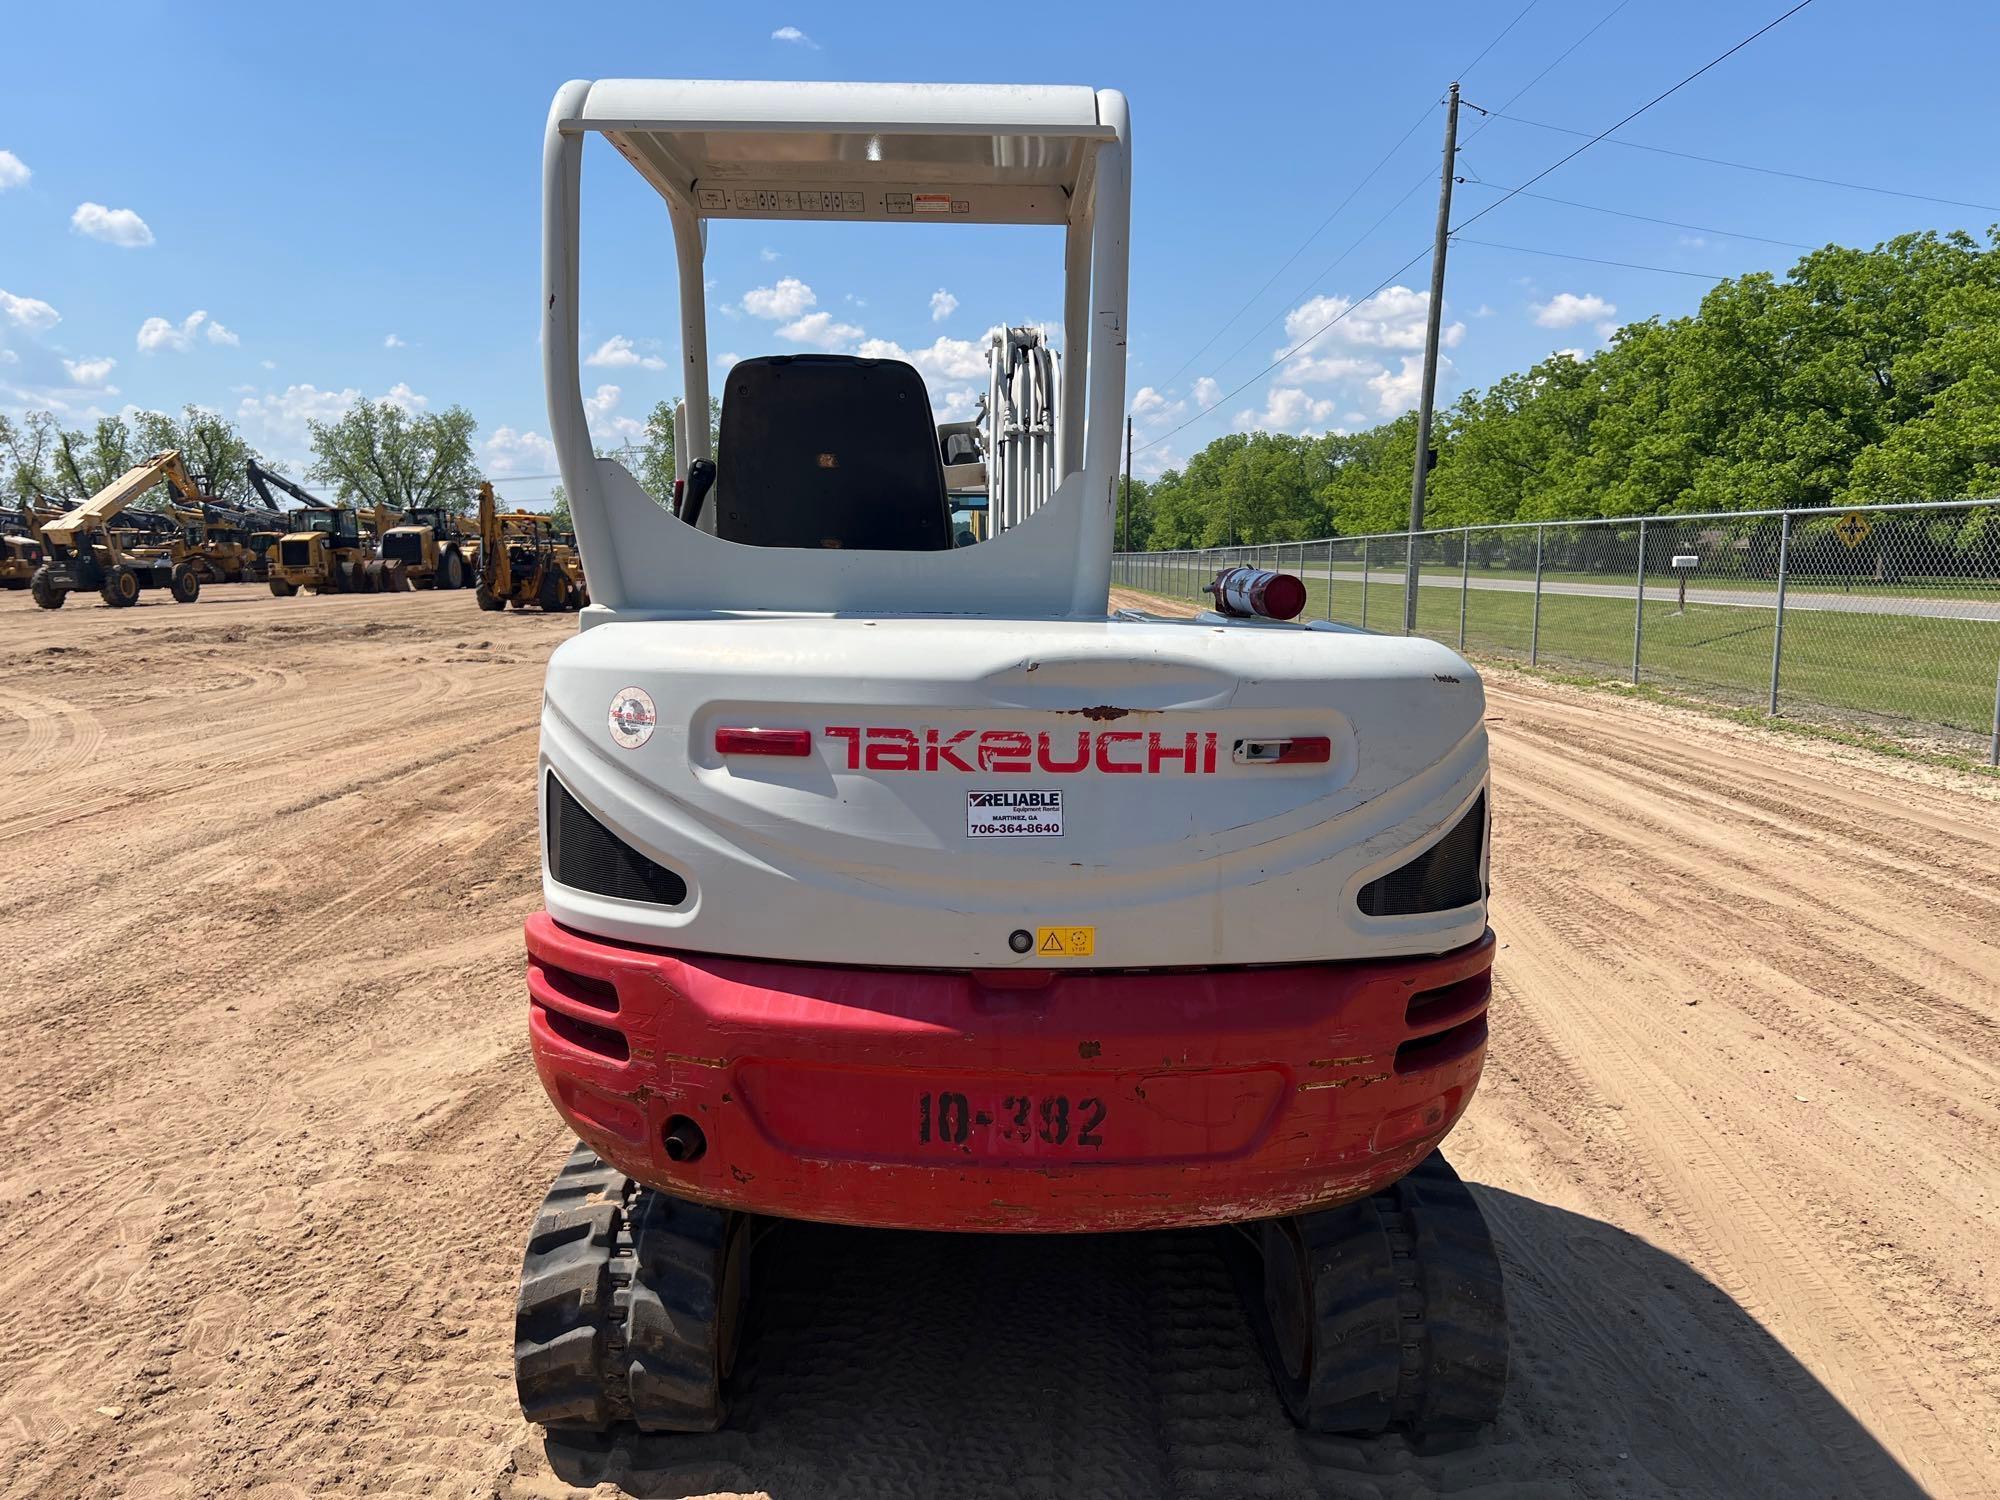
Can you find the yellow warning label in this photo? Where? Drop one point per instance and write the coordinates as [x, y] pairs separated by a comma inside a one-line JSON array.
[[1853, 528], [1065, 942]]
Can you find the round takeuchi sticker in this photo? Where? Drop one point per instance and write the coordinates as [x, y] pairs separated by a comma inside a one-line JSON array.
[[633, 717]]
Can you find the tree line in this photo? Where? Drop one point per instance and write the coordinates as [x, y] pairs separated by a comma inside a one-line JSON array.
[[376, 452], [1860, 376]]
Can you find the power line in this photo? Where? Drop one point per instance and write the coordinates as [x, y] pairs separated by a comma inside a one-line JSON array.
[[1599, 208], [1650, 103], [1510, 194], [1497, 40], [1295, 349], [1304, 244], [1560, 59], [1743, 166], [1325, 271], [1340, 207], [1629, 265], [1422, 180]]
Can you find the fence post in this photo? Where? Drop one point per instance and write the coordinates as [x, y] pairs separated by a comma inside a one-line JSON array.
[[1639, 606], [1535, 621], [1329, 580], [1364, 583], [1464, 579], [1778, 634], [1993, 752]]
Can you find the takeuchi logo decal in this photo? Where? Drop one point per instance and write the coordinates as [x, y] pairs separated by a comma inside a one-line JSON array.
[[1131, 752]]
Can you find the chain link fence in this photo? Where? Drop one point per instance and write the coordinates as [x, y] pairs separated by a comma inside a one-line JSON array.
[[1884, 617]]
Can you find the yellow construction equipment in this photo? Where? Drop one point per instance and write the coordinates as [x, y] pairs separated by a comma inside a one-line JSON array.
[[82, 550], [325, 551], [21, 546], [524, 560], [434, 545]]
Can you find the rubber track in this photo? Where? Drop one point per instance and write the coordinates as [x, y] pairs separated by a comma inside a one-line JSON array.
[[617, 1317], [1409, 1313]]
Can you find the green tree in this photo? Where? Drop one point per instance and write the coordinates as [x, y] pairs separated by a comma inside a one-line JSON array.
[[655, 467], [379, 453], [1858, 375], [27, 457], [212, 450], [85, 462]]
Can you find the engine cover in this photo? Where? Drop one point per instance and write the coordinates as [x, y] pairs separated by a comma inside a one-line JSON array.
[[972, 793]]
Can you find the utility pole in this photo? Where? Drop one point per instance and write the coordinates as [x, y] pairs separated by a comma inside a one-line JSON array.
[[1421, 472], [1128, 486]]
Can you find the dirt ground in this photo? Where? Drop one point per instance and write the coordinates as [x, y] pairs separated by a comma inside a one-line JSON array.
[[273, 1138]]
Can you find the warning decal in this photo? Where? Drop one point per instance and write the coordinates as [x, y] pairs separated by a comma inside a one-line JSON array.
[[1065, 942], [1013, 815]]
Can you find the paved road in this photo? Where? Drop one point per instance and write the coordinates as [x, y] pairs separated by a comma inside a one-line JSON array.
[[1937, 607]]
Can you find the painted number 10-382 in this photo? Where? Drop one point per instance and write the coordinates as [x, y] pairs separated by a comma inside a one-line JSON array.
[[948, 1118]]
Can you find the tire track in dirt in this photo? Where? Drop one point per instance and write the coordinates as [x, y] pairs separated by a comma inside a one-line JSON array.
[[275, 1137]]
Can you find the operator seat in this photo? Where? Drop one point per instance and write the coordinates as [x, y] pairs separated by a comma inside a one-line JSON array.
[[829, 450]]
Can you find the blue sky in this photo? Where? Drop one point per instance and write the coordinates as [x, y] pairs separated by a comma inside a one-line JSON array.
[[270, 210]]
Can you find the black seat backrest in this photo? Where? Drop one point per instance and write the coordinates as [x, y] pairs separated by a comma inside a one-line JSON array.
[[827, 450]]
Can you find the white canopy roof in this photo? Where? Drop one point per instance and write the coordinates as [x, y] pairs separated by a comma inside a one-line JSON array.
[[981, 153]]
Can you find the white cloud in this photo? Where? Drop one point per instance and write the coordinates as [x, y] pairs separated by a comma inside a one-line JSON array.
[[30, 313], [1151, 463], [114, 226], [788, 299], [156, 334], [1310, 368], [726, 360], [277, 422], [1207, 391], [1391, 319], [1150, 408], [269, 364], [600, 411], [13, 171], [217, 334], [820, 330], [944, 358], [510, 450], [1288, 409], [401, 395], [795, 36], [767, 255], [956, 404], [9, 357], [1690, 241], [393, 341], [1397, 391], [89, 371], [1567, 309], [943, 305], [1575, 354], [618, 353]]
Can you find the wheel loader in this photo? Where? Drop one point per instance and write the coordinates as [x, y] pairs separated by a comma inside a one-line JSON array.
[[325, 551], [434, 547], [906, 885], [83, 550], [523, 560]]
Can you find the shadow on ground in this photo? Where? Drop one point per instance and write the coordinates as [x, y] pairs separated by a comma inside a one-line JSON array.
[[974, 1366]]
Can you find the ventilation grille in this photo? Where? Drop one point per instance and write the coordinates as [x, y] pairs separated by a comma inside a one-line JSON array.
[[405, 546], [295, 554], [1443, 878], [587, 856]]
